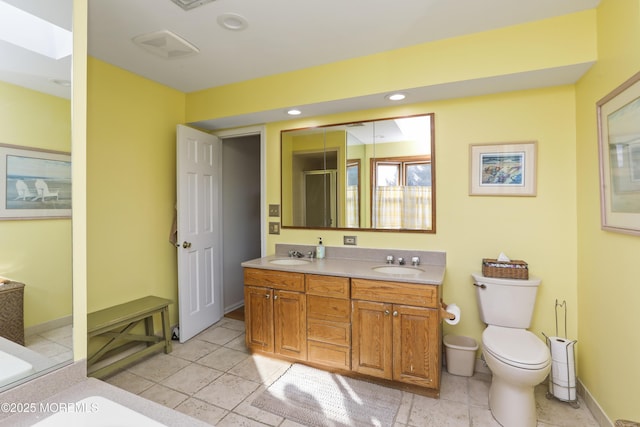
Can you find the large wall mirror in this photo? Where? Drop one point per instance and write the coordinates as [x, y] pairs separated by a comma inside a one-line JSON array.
[[377, 174], [35, 254]]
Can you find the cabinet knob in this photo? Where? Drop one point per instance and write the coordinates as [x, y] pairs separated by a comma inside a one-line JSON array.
[[386, 312], [267, 295], [275, 297], [395, 313]]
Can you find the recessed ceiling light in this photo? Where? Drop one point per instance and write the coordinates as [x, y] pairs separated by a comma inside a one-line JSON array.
[[294, 112], [396, 96], [232, 21]]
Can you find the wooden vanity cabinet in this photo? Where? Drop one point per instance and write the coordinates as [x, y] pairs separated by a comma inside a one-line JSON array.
[[328, 321], [396, 331], [275, 313]]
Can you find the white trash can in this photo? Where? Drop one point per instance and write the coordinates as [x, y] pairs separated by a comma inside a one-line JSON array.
[[461, 354]]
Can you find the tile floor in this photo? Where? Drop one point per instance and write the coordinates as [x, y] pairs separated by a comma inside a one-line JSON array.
[[55, 344], [212, 377]]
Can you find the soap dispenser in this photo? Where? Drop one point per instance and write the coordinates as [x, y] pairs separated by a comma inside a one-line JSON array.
[[320, 249]]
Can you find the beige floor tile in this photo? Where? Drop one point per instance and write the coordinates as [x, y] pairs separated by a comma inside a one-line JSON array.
[[193, 349], [202, 410], [438, 412], [402, 417], [557, 413], [164, 396], [289, 423], [238, 344], [260, 369], [453, 387], [219, 335], [245, 409], [479, 392], [45, 347], [158, 367], [235, 420], [227, 391], [130, 382], [481, 417], [236, 325], [58, 333], [191, 378], [223, 359]]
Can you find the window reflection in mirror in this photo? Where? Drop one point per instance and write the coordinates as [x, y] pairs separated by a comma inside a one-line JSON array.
[[365, 175]]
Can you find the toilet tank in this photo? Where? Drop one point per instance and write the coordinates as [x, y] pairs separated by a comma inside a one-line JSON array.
[[506, 302]]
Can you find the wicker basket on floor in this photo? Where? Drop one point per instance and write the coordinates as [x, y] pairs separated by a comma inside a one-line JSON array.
[[11, 311], [514, 269]]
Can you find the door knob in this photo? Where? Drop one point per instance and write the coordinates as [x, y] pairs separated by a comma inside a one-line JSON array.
[[186, 245]]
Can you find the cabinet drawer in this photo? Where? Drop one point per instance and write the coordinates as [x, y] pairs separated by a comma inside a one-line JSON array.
[[333, 309], [274, 279], [329, 355], [395, 292], [329, 332], [328, 286]]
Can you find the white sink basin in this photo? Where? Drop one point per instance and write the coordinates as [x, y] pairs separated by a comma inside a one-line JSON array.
[[289, 261], [397, 269]]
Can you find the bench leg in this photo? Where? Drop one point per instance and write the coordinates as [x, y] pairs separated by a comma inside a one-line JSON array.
[[148, 327], [166, 334]]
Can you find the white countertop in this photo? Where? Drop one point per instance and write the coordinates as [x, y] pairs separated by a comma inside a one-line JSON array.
[[428, 274]]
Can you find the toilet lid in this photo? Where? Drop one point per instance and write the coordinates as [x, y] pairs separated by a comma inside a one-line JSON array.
[[516, 347]]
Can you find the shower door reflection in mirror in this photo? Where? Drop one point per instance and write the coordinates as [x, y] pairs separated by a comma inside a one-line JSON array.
[[378, 175]]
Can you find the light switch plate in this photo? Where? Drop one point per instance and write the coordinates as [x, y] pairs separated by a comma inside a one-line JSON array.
[[274, 210], [274, 228]]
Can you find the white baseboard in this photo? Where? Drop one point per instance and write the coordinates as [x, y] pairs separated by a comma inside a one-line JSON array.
[[47, 326], [593, 406], [233, 307]]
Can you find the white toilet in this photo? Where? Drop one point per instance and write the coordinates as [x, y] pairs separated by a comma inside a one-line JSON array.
[[518, 359]]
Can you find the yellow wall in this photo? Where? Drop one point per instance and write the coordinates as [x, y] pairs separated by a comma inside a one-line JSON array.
[[131, 133], [540, 230], [37, 252], [609, 291], [555, 42], [131, 187]]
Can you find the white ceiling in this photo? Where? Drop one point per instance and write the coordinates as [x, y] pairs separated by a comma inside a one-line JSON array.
[[287, 35]]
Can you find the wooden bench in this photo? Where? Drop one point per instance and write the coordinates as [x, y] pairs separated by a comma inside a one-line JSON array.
[[116, 324]]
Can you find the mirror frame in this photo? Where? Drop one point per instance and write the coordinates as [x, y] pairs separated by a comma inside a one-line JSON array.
[[431, 131]]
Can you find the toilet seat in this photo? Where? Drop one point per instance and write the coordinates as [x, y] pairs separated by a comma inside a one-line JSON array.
[[516, 347]]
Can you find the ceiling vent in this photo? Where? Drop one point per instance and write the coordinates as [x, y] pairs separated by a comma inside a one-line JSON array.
[[191, 4], [166, 44]]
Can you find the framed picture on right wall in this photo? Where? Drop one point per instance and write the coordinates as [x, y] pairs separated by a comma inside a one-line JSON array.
[[619, 157]]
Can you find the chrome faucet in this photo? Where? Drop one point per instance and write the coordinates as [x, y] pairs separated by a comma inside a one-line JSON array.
[[295, 254], [400, 260], [389, 259], [415, 261]]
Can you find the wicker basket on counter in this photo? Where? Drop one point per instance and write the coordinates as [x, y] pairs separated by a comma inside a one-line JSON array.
[[514, 269]]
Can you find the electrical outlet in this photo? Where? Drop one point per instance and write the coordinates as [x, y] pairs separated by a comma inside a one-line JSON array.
[[274, 210], [349, 240], [274, 228]]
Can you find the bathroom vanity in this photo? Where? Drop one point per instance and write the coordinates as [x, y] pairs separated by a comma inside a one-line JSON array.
[[345, 314]]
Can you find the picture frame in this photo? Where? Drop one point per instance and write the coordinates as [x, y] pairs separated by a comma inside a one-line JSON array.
[[618, 115], [34, 183], [504, 169]]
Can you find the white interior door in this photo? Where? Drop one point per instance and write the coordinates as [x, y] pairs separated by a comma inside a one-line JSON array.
[[199, 175]]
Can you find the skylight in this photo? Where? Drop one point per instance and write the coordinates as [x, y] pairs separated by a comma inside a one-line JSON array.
[[30, 32]]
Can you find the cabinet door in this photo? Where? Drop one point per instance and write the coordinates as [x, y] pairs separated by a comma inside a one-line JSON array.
[[290, 324], [258, 318], [371, 339], [416, 349]]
